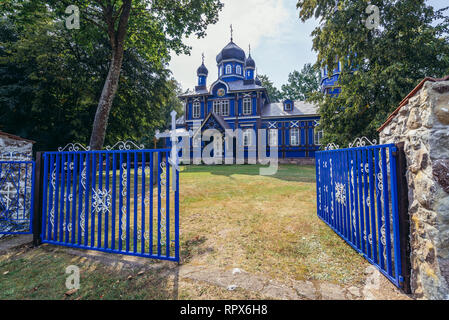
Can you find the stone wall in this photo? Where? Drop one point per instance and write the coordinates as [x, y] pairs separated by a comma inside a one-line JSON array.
[[13, 146], [422, 123]]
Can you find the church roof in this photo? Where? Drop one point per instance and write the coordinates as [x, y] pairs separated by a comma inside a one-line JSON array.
[[231, 51], [301, 108], [202, 70], [239, 85], [250, 63]]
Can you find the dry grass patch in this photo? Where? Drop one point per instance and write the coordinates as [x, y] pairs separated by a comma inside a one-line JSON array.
[[265, 225]]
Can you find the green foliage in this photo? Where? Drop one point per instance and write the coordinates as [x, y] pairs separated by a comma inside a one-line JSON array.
[[381, 66], [52, 78], [302, 84], [50, 82], [273, 92]]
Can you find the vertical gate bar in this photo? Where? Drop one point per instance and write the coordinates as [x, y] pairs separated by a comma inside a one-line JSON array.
[[74, 189], [317, 179], [356, 197], [23, 215], [327, 184], [380, 215], [372, 187], [67, 199], [94, 196], [142, 211], [339, 206], [61, 199], [386, 211], [367, 213], [362, 206], [136, 178], [56, 211], [159, 203], [87, 199], [167, 206], [81, 190], [113, 200], [151, 187], [101, 198], [18, 168], [51, 195], [378, 200], [106, 214], [128, 198], [120, 223], [348, 196], [45, 195], [177, 217]]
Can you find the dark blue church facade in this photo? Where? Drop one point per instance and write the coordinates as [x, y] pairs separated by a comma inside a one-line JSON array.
[[237, 100]]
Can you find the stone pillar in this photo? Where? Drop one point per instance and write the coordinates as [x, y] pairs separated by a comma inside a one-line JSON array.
[[422, 123]]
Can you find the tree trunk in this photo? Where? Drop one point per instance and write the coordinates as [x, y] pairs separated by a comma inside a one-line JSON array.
[[117, 40], [105, 103]]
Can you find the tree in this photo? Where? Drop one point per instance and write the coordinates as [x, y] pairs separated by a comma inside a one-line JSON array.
[[302, 84], [381, 65], [274, 94], [50, 82], [152, 28]]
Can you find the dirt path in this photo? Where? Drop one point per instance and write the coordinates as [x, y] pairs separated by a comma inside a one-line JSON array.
[[376, 286]]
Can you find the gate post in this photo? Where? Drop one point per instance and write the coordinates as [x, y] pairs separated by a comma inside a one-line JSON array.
[[38, 196], [404, 218]]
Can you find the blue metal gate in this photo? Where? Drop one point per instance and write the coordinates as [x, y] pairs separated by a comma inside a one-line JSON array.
[[16, 197], [112, 201], [357, 197]]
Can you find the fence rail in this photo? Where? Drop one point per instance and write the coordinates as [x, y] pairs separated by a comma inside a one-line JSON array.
[[112, 201], [357, 197]]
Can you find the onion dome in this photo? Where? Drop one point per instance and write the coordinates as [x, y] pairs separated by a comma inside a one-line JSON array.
[[258, 82], [202, 71], [231, 51], [250, 62]]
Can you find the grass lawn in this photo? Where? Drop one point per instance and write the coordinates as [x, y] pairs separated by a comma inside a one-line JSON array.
[[230, 217]]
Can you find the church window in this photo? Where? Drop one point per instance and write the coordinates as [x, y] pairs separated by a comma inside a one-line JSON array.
[[225, 107], [239, 70], [318, 137], [247, 106], [228, 69], [294, 136], [221, 107], [247, 133], [196, 110], [273, 137]]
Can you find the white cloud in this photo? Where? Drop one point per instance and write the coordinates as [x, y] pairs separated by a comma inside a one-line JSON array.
[[252, 20]]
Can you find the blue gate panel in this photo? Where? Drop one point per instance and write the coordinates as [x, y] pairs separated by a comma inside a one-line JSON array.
[[357, 198], [112, 201], [16, 196]]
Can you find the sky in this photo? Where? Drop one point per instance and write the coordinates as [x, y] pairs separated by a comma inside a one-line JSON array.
[[280, 42]]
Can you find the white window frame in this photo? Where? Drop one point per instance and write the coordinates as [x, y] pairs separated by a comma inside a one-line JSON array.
[[295, 133], [228, 69], [247, 106], [288, 106], [247, 137], [238, 70], [196, 112], [221, 107], [273, 137], [318, 135]]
